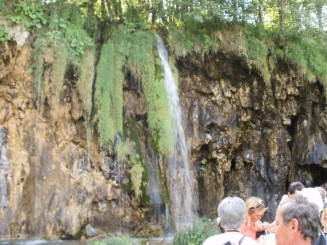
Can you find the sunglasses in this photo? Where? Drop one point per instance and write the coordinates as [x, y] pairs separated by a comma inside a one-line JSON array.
[[259, 204]]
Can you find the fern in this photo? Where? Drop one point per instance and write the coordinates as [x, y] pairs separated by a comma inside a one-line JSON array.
[[257, 52], [310, 54], [194, 35], [196, 235], [147, 68], [38, 71], [109, 89], [295, 53], [85, 81], [49, 82], [316, 56], [181, 45], [59, 68], [108, 110]]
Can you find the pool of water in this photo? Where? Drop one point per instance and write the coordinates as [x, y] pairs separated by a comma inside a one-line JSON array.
[[157, 241], [41, 242], [150, 241]]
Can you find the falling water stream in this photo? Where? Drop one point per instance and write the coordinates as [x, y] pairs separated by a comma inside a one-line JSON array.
[[4, 172], [180, 181], [4, 168]]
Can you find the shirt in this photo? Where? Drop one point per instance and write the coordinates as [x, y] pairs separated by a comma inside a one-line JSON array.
[[233, 237]]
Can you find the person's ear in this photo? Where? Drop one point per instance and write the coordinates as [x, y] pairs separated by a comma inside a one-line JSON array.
[[294, 225]]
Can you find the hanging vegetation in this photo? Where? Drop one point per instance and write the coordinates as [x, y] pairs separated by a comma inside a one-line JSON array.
[[50, 63], [136, 53], [85, 80], [108, 93], [39, 45], [59, 69], [257, 51], [145, 65], [310, 55]]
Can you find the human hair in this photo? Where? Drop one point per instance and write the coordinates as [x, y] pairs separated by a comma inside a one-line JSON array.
[[305, 212], [313, 196], [325, 186], [253, 204], [232, 212], [295, 186], [321, 191]]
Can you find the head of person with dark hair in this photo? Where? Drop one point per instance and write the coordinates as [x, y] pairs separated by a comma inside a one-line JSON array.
[[294, 188], [297, 222]]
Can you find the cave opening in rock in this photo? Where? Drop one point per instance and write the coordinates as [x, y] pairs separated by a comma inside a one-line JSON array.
[[291, 130], [319, 175]]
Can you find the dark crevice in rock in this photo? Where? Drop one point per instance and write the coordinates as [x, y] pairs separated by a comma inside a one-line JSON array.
[[233, 165], [291, 130]]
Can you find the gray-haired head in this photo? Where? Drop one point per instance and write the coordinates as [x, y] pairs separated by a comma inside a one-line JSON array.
[[232, 212], [313, 196], [322, 192], [305, 212]]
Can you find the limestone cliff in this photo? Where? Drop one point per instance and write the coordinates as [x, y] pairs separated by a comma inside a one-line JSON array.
[[246, 135]]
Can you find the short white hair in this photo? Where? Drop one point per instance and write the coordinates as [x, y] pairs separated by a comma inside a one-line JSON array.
[[232, 212]]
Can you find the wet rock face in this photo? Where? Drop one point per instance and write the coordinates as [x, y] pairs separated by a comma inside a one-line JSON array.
[[54, 179], [250, 137], [246, 137]]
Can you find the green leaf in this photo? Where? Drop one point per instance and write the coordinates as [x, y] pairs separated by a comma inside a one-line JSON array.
[[204, 161], [32, 16], [63, 25]]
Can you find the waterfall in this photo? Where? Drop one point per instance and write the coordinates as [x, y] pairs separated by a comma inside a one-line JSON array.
[[154, 189], [4, 168], [180, 181], [4, 184]]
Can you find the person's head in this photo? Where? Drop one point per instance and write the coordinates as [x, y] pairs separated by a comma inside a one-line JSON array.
[[232, 212], [321, 191], [324, 215], [294, 188], [313, 196], [324, 218], [297, 222], [255, 209], [325, 186]]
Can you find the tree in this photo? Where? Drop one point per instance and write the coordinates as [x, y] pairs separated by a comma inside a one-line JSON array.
[[319, 5]]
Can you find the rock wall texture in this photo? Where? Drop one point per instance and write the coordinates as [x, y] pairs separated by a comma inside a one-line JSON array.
[[246, 136], [249, 137]]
